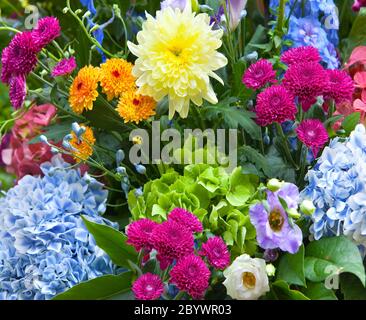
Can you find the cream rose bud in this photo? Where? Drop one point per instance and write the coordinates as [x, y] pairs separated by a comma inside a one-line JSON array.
[[246, 278]]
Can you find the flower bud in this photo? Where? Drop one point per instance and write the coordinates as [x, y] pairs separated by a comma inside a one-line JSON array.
[[65, 10], [274, 185], [271, 270], [253, 56], [121, 171], [293, 213], [43, 138], [120, 156], [78, 11], [140, 169], [307, 207]]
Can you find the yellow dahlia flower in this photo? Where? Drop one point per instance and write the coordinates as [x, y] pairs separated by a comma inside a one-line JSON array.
[[83, 146], [133, 107], [84, 89], [176, 56], [116, 77]]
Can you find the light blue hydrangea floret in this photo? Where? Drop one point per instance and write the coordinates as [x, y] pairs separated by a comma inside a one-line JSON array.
[[45, 248], [337, 187]]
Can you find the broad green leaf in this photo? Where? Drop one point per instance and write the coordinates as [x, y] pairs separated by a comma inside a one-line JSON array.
[[317, 291], [351, 121], [284, 292], [102, 288], [352, 288], [112, 242], [331, 256], [291, 268], [247, 153]]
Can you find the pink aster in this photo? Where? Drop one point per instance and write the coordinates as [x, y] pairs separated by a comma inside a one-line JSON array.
[[47, 30], [275, 104], [172, 242], [64, 67], [300, 54], [340, 87], [20, 57], [259, 74], [139, 234], [307, 81], [186, 219], [191, 275], [17, 91], [313, 134], [148, 287], [216, 252]]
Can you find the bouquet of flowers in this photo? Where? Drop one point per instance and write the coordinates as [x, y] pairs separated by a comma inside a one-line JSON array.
[[183, 149]]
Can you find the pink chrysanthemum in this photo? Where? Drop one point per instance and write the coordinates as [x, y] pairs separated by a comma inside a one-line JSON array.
[[191, 275], [259, 74], [64, 67], [216, 252], [17, 91], [20, 57], [148, 287], [306, 81], [300, 54], [275, 104], [139, 234], [341, 86], [313, 134], [186, 219], [47, 30], [172, 242]]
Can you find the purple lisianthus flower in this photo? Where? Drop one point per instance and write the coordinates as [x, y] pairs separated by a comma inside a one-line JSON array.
[[272, 223], [180, 4], [64, 67]]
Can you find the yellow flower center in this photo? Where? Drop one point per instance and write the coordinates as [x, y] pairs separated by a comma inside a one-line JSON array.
[[276, 220], [249, 280]]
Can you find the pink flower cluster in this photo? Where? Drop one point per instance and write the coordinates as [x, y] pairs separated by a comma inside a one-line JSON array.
[[358, 4], [21, 157], [19, 58], [174, 243]]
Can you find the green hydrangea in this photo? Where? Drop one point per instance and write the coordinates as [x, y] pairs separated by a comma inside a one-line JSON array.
[[220, 200]]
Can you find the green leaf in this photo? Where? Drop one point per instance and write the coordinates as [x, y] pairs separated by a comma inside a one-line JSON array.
[[247, 153], [351, 121], [112, 242], [352, 288], [234, 117], [318, 291], [357, 36], [331, 256], [291, 268], [101, 288], [284, 292], [241, 188]]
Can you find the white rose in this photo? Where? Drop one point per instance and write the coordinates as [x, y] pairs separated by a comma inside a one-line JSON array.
[[246, 278]]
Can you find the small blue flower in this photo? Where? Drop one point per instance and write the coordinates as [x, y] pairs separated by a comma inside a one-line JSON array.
[[89, 4]]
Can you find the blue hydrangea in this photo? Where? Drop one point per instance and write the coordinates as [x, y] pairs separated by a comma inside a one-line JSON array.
[[45, 248], [337, 187], [315, 24]]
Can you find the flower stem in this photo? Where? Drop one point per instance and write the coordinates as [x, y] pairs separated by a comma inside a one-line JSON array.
[[286, 146]]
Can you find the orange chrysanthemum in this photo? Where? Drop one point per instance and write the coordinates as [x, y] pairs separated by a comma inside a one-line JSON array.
[[116, 77], [84, 89], [133, 107], [83, 146]]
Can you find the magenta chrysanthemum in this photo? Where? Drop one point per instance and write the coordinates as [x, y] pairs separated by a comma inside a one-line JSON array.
[[139, 234], [20, 57], [275, 104], [341, 86], [313, 134], [148, 287], [300, 54], [216, 252], [47, 30], [191, 275], [306, 81], [64, 67], [259, 74], [17, 91], [172, 241], [186, 219]]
